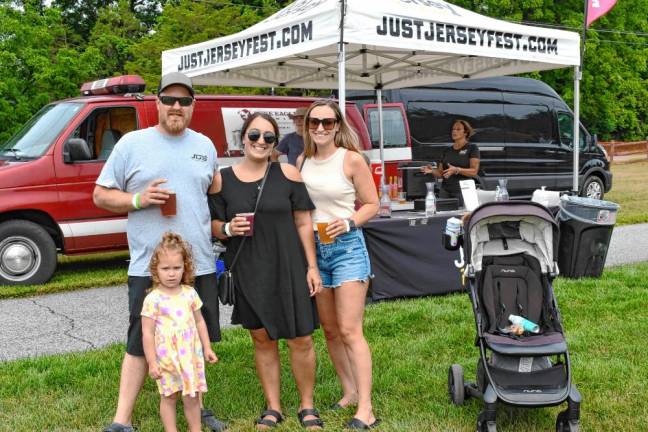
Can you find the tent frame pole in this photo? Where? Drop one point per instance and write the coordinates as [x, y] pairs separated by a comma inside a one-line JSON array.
[[576, 134], [381, 136]]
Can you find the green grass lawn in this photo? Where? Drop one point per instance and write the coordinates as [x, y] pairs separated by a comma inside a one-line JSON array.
[[413, 342], [629, 190]]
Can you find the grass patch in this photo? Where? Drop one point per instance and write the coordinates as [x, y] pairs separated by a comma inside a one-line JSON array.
[[77, 272], [413, 342], [628, 190]]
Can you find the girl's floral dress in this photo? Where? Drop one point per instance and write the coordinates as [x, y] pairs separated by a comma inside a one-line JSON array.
[[179, 352]]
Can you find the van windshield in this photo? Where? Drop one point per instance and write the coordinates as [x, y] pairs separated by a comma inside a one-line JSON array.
[[39, 132]]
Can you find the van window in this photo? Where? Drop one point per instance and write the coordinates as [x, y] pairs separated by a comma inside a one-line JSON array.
[[529, 124], [104, 127], [394, 134], [41, 130], [431, 122], [566, 128]]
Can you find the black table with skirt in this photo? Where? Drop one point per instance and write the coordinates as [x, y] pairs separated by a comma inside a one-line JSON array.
[[408, 258]]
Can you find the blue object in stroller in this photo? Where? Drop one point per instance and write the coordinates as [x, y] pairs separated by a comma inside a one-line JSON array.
[[511, 254]]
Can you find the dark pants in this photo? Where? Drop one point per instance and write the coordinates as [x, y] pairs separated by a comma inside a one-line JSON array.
[[205, 286]]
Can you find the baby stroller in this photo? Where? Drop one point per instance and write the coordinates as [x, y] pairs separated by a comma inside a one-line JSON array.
[[511, 254]]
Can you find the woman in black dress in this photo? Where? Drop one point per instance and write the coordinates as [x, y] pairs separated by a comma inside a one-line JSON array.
[[460, 161], [276, 274]]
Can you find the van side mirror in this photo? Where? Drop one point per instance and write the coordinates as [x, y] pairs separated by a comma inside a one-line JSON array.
[[594, 139], [76, 149]]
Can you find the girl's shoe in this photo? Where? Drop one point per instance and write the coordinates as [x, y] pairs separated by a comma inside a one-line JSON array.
[[356, 423], [208, 419], [118, 427]]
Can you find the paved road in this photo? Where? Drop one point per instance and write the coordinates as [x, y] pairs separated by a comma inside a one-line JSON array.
[[90, 319]]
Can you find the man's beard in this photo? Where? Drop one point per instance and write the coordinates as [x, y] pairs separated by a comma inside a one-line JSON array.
[[176, 124]]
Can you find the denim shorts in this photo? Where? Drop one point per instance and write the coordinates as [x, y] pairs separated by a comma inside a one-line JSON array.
[[345, 260]]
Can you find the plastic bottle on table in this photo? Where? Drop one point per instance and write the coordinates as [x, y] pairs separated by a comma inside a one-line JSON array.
[[430, 200], [384, 211]]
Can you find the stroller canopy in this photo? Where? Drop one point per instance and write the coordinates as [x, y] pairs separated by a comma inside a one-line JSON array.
[[512, 227]]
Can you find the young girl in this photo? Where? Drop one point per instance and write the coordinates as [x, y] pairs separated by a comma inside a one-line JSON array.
[[174, 333]]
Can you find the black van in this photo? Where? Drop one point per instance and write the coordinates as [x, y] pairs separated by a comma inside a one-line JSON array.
[[523, 130]]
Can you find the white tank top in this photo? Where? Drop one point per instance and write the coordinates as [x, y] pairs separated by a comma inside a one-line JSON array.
[[330, 190]]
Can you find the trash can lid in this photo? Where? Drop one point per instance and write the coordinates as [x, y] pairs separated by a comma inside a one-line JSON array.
[[588, 202]]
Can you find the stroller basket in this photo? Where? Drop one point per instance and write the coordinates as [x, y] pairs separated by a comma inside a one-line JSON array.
[[536, 380]]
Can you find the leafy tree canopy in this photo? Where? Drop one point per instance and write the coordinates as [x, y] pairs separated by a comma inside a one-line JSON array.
[[46, 52]]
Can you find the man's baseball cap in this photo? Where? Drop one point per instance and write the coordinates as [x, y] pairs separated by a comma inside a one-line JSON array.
[[299, 112], [175, 78]]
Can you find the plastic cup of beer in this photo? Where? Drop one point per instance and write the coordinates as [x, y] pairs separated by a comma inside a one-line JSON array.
[[169, 207], [250, 218], [323, 236]]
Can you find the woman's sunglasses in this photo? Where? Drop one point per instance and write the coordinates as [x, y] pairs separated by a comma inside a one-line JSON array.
[[327, 123], [268, 137], [184, 101]]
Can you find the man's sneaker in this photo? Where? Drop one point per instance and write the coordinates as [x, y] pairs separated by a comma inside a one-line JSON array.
[[117, 427], [212, 422]]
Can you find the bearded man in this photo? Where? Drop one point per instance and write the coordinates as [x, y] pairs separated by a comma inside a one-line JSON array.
[[144, 168]]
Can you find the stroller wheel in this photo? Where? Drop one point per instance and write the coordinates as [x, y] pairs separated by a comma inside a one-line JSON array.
[[486, 427], [563, 424], [456, 384]]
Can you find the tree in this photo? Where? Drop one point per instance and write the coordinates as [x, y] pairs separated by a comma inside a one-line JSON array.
[[37, 64], [116, 31], [189, 22]]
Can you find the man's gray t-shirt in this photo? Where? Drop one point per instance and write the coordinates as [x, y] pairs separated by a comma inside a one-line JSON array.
[[188, 163], [292, 145]]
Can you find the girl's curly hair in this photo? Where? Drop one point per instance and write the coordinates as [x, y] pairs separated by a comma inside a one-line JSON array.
[[173, 242]]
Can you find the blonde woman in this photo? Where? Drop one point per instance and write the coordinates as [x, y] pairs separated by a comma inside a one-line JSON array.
[[335, 175]]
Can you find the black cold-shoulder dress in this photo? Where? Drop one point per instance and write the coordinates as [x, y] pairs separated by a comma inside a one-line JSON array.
[[270, 274]]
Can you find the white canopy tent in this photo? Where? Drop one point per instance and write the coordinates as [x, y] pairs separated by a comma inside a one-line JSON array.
[[360, 44]]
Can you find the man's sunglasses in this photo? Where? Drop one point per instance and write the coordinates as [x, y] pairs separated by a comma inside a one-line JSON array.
[[327, 123], [184, 101], [268, 137]]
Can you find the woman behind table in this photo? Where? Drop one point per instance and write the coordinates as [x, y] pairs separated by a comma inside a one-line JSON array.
[[335, 175], [460, 161], [276, 274]]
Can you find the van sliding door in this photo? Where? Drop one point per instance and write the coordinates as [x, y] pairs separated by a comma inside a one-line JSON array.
[[564, 179], [532, 147]]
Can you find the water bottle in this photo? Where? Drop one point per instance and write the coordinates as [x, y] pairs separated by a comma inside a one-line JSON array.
[[384, 211], [527, 325], [504, 195], [430, 200], [498, 193], [452, 233]]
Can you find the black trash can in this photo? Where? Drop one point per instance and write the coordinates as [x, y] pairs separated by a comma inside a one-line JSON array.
[[586, 226]]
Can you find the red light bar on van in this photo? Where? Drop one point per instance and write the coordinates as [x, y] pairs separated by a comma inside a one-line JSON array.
[[115, 85]]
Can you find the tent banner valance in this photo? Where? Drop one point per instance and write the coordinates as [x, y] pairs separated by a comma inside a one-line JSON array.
[[388, 43]]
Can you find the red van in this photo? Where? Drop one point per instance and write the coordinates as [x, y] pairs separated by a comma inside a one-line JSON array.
[[48, 169]]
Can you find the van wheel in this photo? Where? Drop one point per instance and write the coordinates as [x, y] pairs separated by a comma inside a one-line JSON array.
[[27, 254], [593, 188]]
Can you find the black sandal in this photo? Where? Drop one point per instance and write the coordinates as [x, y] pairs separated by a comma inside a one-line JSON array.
[[310, 423], [356, 423], [267, 422]]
